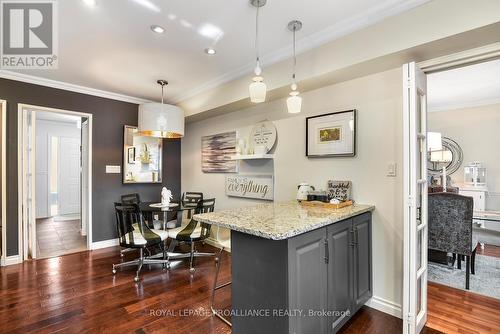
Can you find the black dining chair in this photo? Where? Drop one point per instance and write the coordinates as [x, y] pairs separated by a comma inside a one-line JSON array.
[[450, 228], [193, 232], [191, 199], [133, 233], [133, 198]]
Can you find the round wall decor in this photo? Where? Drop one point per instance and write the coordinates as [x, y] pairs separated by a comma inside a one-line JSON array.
[[263, 136]]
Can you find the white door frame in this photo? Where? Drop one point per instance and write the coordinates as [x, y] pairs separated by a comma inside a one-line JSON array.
[[23, 221], [460, 59], [3, 116]]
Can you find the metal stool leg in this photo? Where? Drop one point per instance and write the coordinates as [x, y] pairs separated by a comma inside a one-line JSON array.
[[216, 287]]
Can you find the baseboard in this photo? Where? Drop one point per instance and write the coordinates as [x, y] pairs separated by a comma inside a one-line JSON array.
[[385, 306], [105, 244], [10, 260]]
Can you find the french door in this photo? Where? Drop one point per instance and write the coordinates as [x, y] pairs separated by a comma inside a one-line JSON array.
[[415, 198]]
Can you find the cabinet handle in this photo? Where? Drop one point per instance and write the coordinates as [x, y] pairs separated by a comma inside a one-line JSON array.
[[327, 256], [356, 232], [352, 243]]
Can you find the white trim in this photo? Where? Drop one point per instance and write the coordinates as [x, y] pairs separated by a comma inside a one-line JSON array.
[[385, 306], [3, 176], [20, 171], [105, 244], [69, 87], [10, 260], [342, 28]]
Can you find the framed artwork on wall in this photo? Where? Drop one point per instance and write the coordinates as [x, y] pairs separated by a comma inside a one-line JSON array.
[[216, 152], [331, 135]]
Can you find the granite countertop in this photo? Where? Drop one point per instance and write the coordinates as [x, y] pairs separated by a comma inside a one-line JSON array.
[[280, 220]]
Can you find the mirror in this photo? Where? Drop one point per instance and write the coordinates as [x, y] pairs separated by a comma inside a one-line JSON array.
[[142, 157], [450, 157]]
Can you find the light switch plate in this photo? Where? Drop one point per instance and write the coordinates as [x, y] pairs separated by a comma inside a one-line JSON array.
[[391, 169], [113, 169]]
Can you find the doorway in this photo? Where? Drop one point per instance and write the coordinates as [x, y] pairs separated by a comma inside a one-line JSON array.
[[464, 111], [416, 180], [55, 180]]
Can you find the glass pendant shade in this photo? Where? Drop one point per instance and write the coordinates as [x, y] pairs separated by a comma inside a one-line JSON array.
[[434, 141], [257, 90], [161, 120], [294, 103]]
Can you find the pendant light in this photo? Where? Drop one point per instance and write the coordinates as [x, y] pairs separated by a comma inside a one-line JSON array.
[[161, 120], [294, 102], [257, 88]]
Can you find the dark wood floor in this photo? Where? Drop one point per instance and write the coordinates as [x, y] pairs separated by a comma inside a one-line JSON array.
[[77, 293]]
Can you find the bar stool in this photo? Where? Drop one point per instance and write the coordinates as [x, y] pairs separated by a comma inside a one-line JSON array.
[[225, 244]]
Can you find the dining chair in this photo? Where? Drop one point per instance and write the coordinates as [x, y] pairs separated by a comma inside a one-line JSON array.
[[193, 232], [191, 199], [133, 198], [135, 234], [450, 228]]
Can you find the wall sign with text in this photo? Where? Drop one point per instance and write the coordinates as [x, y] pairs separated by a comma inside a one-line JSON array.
[[250, 186]]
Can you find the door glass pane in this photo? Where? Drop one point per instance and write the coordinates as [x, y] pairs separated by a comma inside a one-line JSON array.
[[419, 296], [419, 251], [54, 172]]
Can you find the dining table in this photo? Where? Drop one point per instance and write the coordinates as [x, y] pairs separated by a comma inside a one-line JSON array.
[[148, 209]]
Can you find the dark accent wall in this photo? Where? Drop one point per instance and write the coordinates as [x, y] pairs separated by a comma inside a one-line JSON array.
[[109, 117]]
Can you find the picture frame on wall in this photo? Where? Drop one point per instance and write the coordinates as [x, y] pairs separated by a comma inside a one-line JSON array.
[[331, 135], [131, 155]]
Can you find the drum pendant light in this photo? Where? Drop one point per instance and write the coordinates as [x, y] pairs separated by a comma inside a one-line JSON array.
[[294, 102], [257, 88], [161, 120]]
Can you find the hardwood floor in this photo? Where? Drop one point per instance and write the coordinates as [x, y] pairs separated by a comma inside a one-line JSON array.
[[489, 250], [77, 293], [457, 311]]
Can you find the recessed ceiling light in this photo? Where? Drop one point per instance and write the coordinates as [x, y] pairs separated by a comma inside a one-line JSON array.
[[90, 3], [157, 29], [210, 51]]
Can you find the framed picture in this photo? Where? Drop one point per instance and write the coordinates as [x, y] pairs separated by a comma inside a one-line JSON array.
[[216, 152], [131, 155], [331, 135]]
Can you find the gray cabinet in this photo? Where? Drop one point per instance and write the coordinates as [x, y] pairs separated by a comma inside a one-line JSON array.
[[330, 270], [340, 276], [309, 284], [362, 262], [307, 281]]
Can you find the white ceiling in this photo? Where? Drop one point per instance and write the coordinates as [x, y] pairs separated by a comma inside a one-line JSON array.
[[111, 47], [464, 87]]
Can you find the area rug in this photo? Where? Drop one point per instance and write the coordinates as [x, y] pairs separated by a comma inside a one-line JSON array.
[[486, 281]]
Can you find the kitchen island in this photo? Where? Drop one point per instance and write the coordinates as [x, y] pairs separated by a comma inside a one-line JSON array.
[[297, 269]]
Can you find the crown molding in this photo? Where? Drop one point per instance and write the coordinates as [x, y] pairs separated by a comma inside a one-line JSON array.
[[342, 28], [69, 87]]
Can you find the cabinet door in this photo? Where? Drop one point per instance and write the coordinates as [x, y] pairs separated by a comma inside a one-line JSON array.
[[362, 260], [307, 282], [340, 246]]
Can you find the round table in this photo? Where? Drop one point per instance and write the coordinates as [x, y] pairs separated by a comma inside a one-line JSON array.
[[149, 210]]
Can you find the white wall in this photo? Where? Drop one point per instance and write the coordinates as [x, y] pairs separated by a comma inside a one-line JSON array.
[[44, 130], [477, 131], [378, 99]]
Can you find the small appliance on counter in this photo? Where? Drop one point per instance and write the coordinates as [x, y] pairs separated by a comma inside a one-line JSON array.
[[303, 190]]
